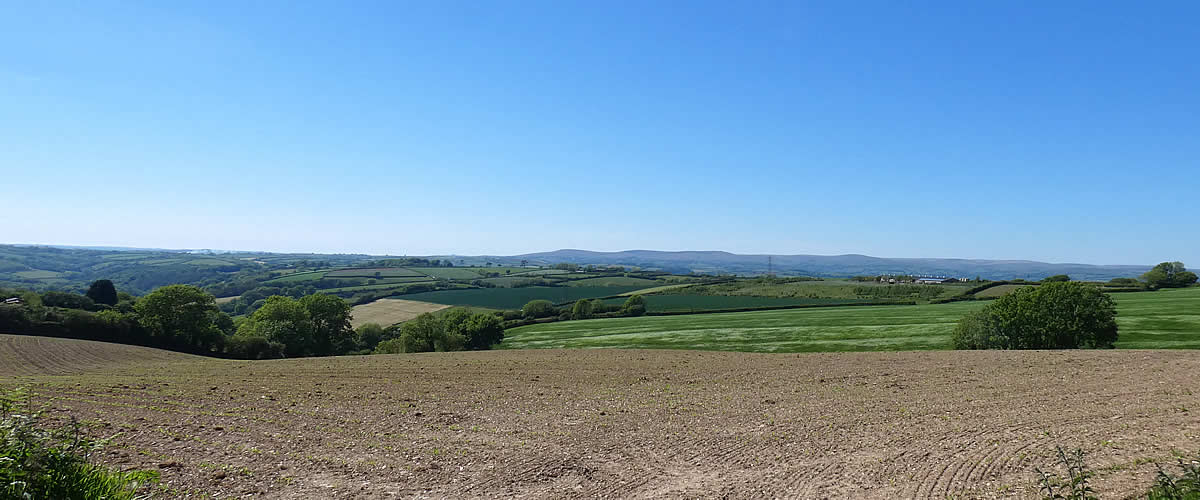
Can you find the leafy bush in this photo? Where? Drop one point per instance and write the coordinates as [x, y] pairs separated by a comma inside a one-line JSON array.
[[1064, 315], [456, 330], [1183, 487], [539, 309], [253, 347], [44, 463], [635, 305]]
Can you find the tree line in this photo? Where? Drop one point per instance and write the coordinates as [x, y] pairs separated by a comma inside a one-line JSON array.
[[186, 318]]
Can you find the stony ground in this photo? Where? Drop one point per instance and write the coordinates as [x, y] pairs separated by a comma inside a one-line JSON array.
[[622, 423]]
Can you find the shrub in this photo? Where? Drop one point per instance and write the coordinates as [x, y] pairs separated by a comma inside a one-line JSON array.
[[1183, 487], [253, 347], [582, 309], [369, 335], [37, 462], [539, 309], [1064, 315], [393, 346], [635, 305]]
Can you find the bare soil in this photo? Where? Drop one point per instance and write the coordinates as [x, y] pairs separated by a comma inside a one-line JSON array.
[[636, 424]]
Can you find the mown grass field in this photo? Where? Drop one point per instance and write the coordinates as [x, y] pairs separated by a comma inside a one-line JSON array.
[[614, 281], [450, 273], [1167, 319], [383, 285], [829, 288], [867, 328], [371, 272], [514, 298], [683, 302], [297, 277]]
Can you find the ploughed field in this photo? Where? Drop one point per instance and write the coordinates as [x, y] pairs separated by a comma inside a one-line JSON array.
[[623, 423]]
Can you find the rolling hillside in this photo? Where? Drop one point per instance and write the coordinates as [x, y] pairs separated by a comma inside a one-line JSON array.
[[834, 265]]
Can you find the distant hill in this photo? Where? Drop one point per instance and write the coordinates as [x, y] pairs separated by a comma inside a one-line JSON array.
[[832, 265], [138, 271]]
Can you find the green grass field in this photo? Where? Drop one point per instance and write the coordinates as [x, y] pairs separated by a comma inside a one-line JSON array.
[[450, 273], [614, 281], [868, 328], [830, 288], [208, 262], [37, 274], [1165, 319], [297, 277], [1148, 320], [371, 272], [507, 281], [513, 298], [386, 284], [679, 303]]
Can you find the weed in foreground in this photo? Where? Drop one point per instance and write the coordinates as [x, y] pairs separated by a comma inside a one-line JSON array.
[[1185, 486], [1075, 485], [38, 462]]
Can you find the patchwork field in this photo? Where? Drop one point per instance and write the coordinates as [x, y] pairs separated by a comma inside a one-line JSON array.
[[864, 328], [387, 312], [1164, 319], [514, 298], [686, 303], [372, 272], [627, 423], [614, 281], [297, 277], [450, 273]]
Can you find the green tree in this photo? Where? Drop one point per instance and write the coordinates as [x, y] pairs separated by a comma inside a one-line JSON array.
[[582, 309], [182, 316], [483, 331], [330, 316], [538, 309], [421, 334], [1169, 275], [67, 300], [103, 292], [635, 305], [1056, 278], [1062, 315], [369, 336], [284, 320]]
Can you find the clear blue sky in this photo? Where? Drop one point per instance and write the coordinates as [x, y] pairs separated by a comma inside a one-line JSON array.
[[1059, 131]]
